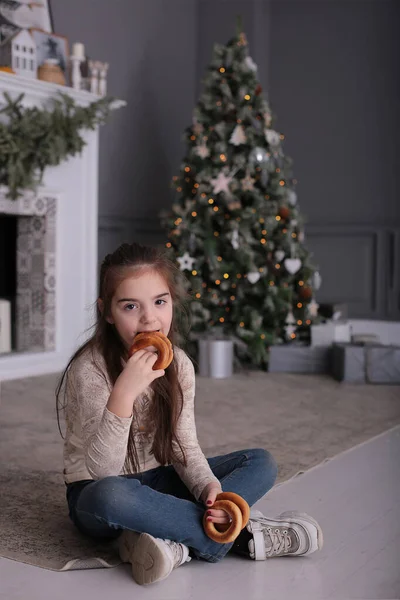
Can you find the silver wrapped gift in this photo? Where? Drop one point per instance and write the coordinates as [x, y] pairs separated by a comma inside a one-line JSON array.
[[368, 363], [294, 358]]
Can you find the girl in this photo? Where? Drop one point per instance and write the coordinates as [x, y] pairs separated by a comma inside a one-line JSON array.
[[132, 464]]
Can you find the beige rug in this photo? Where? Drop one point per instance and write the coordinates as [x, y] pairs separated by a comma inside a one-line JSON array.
[[302, 420]]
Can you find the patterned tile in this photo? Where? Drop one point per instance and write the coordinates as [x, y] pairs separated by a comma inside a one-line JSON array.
[[36, 278]]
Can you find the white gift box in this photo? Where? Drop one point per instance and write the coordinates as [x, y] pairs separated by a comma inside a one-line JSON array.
[[5, 326], [330, 332]]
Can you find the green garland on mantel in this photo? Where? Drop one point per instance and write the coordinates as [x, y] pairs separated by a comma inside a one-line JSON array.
[[32, 139]]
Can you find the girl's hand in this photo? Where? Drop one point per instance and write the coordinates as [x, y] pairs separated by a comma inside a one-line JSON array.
[[208, 496], [138, 373]]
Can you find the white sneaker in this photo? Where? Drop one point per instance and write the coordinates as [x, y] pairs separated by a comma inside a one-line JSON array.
[[290, 534], [154, 559], [126, 544]]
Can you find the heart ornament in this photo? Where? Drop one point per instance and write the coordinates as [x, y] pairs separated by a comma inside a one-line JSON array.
[[292, 265], [253, 277]]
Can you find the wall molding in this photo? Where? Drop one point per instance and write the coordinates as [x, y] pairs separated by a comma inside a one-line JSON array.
[[143, 225], [349, 228], [115, 230], [360, 265]]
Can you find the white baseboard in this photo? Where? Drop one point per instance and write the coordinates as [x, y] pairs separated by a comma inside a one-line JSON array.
[[30, 364]]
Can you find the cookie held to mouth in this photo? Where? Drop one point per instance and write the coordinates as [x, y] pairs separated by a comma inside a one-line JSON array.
[[160, 342]]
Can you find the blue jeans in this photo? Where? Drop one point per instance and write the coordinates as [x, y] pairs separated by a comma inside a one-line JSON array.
[[158, 502]]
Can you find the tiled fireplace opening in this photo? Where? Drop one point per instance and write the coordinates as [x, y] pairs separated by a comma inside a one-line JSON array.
[[8, 278], [28, 276]]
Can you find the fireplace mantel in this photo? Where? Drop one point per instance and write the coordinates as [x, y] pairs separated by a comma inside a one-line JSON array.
[[74, 184], [38, 92]]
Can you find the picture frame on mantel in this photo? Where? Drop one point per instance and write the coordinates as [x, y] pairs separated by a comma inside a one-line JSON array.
[[51, 46], [24, 14]]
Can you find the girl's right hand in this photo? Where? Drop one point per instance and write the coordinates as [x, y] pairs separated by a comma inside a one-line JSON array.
[[138, 373]]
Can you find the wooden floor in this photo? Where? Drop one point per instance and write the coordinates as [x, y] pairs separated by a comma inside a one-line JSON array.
[[356, 499]]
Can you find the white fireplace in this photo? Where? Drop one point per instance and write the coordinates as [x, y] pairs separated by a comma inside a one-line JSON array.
[[67, 205]]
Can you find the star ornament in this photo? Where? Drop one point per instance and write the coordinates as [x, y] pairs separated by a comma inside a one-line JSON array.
[[186, 262], [221, 183], [289, 329], [313, 308], [248, 183], [202, 151]]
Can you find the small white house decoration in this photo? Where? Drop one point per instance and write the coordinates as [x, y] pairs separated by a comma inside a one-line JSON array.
[[19, 52]]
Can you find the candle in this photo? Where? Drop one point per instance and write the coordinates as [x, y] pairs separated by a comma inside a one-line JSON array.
[[78, 51]]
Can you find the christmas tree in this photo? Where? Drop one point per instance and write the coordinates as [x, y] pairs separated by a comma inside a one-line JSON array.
[[235, 229]]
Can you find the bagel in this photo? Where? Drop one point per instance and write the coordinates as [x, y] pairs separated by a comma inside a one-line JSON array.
[[239, 511], [160, 342]]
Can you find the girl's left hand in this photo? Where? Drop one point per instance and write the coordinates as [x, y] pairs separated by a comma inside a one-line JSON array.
[[208, 496]]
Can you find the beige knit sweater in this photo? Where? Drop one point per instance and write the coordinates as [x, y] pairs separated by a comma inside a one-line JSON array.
[[96, 439]]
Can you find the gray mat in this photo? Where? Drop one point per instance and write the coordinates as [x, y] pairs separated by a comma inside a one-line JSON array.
[[302, 420]]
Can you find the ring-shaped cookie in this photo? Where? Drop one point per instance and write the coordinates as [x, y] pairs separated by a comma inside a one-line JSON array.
[[168, 341], [238, 510], [160, 342]]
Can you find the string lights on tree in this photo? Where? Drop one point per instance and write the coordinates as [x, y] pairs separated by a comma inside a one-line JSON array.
[[240, 239]]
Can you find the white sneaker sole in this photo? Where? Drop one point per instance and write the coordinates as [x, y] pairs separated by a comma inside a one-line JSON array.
[[150, 562], [126, 544], [316, 542]]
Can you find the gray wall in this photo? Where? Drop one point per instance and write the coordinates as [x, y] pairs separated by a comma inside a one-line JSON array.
[[334, 84], [151, 48], [330, 71]]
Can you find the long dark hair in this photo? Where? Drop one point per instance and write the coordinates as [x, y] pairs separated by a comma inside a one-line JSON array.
[[166, 407]]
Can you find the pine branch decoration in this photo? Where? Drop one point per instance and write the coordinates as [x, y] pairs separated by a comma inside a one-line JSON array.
[[32, 139]]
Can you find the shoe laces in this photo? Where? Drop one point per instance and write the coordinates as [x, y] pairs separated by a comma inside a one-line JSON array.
[[277, 540]]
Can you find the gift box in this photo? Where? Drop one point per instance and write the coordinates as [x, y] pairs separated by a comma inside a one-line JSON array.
[[330, 332], [368, 363], [292, 358]]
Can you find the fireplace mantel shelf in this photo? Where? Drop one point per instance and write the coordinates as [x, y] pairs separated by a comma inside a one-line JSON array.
[[40, 90]]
